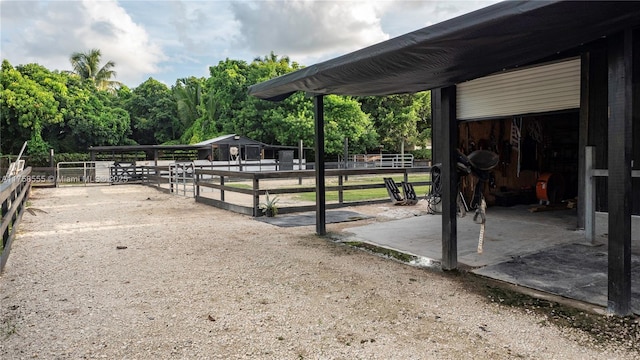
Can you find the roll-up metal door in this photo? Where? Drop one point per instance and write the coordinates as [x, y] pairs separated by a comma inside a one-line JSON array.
[[543, 88]]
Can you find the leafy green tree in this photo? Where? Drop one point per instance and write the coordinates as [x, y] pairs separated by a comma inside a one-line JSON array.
[[421, 112], [98, 122], [91, 118], [153, 112], [271, 66], [225, 107], [56, 110], [236, 111], [27, 107], [345, 119], [403, 119], [87, 66]]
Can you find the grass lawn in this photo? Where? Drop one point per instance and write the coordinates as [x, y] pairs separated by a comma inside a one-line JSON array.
[[366, 194], [354, 195]]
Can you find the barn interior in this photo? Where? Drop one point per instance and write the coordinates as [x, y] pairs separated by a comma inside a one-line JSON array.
[[538, 159]]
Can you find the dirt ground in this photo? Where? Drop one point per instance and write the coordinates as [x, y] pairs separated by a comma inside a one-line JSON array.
[[125, 271]]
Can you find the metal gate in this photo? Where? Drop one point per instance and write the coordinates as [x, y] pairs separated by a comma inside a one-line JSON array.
[[75, 173], [124, 172], [181, 179]]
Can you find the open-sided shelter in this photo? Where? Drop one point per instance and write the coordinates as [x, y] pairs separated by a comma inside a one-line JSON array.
[[552, 55], [230, 147]]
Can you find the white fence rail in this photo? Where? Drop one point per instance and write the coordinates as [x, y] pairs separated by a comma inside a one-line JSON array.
[[380, 161]]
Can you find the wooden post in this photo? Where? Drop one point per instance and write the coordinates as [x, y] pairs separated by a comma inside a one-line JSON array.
[[52, 164], [221, 190], [346, 157], [619, 158], [256, 196], [340, 191], [197, 185], [5, 210], [300, 152], [318, 111], [444, 114]]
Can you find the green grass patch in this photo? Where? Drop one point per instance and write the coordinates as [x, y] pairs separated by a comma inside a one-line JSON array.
[[366, 194], [8, 328], [352, 195]]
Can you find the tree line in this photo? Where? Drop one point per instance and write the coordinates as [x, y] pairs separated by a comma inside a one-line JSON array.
[[70, 111]]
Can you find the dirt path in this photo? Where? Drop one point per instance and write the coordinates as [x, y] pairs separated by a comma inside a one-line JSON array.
[[195, 282]]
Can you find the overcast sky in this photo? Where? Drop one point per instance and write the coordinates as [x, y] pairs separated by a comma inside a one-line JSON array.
[[168, 40]]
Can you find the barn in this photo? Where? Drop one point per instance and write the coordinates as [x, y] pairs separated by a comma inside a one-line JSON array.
[[557, 81]]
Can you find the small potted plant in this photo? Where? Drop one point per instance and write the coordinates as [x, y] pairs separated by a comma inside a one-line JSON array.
[[269, 207]]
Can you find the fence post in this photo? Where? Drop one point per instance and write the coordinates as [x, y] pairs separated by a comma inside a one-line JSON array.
[[340, 192], [171, 180], [589, 195], [5, 234], [300, 152], [197, 183], [256, 196], [221, 190], [57, 173]]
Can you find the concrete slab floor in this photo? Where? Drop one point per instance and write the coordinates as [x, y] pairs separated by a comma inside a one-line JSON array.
[[541, 250]]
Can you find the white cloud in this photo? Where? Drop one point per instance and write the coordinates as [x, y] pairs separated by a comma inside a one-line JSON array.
[[49, 32], [314, 30], [174, 39], [305, 29], [193, 34], [410, 15], [109, 28]]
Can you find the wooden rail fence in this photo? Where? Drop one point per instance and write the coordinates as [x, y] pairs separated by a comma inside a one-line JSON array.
[[217, 179], [14, 193]]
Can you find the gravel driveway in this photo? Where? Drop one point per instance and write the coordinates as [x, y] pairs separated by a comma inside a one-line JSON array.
[[196, 282]]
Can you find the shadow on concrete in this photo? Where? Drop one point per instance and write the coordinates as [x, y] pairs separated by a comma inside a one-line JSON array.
[[575, 271], [309, 218], [539, 250]]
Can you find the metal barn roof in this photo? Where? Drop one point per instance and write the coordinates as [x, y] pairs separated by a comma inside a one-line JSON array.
[[230, 139]]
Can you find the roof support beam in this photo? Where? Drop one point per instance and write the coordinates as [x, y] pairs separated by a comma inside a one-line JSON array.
[[318, 113], [620, 146], [444, 119]]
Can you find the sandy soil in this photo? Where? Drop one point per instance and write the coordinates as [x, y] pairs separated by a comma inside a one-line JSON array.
[[120, 272]]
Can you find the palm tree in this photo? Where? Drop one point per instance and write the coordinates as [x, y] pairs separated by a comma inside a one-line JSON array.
[[86, 65], [188, 95]]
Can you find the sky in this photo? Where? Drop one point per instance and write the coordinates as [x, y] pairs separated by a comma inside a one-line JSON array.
[[169, 40]]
